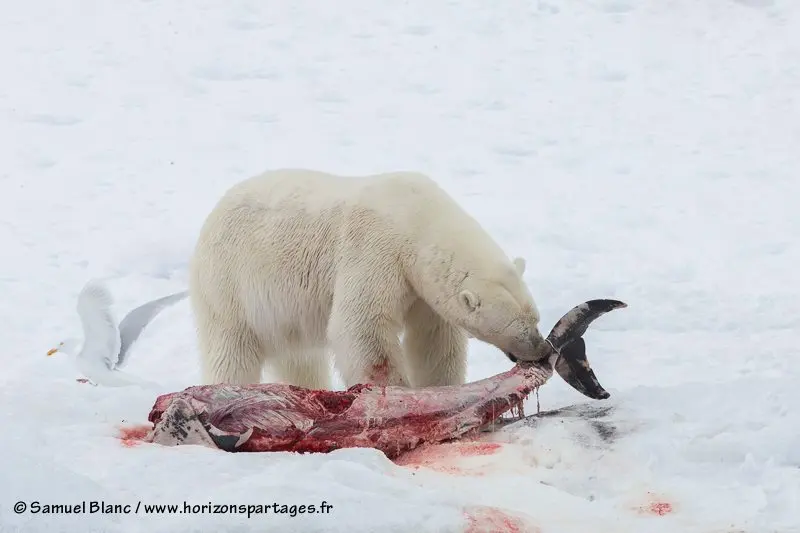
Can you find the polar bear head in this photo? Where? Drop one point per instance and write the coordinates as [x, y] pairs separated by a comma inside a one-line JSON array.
[[497, 308]]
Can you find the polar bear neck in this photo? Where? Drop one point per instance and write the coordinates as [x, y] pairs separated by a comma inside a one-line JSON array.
[[437, 274]]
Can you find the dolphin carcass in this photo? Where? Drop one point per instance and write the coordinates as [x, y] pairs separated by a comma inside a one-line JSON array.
[[271, 417]]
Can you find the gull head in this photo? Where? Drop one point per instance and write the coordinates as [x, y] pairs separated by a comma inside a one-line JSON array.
[[68, 346]]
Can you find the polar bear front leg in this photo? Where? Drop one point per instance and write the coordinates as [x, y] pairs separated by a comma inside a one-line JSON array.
[[366, 344], [368, 357], [436, 351], [230, 351]]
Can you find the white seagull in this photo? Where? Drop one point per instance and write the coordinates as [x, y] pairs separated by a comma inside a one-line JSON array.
[[105, 346]]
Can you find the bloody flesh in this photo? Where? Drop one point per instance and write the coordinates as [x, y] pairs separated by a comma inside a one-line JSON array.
[[280, 417]]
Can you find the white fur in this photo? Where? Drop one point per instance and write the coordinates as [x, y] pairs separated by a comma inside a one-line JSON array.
[[291, 264]]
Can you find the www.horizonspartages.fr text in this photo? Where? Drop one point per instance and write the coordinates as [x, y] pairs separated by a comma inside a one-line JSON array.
[[95, 507]]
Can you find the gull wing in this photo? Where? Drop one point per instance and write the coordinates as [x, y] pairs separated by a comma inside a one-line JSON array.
[[101, 336], [135, 321]]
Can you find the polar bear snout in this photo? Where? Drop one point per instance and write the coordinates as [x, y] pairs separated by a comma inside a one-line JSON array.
[[533, 348]]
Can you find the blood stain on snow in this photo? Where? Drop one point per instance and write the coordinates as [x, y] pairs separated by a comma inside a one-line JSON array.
[[660, 508], [441, 457], [484, 519], [133, 435], [657, 506], [479, 448]]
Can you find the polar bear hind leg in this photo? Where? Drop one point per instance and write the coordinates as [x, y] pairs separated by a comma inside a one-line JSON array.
[[307, 367], [435, 351]]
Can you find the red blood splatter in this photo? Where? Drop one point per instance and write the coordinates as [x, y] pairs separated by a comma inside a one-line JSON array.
[[492, 519], [133, 435], [656, 506], [478, 448], [660, 508], [380, 373], [442, 457]]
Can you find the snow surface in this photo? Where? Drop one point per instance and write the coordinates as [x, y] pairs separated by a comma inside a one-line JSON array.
[[646, 151]]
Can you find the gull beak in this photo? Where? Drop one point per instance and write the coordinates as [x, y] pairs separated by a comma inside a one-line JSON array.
[[51, 351]]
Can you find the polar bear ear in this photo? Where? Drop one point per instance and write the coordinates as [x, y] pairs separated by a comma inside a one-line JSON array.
[[469, 299], [519, 263]]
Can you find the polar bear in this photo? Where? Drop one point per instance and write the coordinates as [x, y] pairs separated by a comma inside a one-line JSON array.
[[292, 265]]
